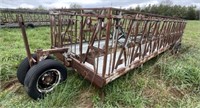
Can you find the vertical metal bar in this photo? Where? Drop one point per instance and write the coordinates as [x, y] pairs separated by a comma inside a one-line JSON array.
[[26, 44], [81, 39], [106, 43], [99, 39], [126, 39], [115, 37], [60, 42], [52, 30], [76, 26]]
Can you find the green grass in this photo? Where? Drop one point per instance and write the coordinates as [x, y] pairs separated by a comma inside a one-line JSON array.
[[165, 81]]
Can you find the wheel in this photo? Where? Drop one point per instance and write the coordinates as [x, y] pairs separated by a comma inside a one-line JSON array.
[[24, 67], [30, 25], [176, 48], [44, 77]]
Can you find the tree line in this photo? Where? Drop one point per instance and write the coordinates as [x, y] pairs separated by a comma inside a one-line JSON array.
[[185, 12]]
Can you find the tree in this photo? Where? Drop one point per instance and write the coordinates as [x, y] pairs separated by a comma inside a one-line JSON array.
[[138, 8], [191, 13], [75, 6]]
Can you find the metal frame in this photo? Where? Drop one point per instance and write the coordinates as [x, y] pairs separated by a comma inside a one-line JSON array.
[[104, 43], [35, 17]]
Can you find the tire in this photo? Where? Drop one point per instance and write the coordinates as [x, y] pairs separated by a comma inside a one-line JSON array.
[[176, 48], [30, 25], [24, 67], [44, 77]]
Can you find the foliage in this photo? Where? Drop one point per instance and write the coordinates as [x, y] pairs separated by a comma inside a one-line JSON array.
[[189, 13]]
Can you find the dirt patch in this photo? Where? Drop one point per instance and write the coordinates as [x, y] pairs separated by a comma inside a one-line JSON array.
[[84, 100], [176, 93], [157, 72], [11, 85]]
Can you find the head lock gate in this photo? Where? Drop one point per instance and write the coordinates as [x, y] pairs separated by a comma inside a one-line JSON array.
[[104, 43]]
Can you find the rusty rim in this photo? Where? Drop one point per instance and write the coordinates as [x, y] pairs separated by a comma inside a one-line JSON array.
[[48, 80]]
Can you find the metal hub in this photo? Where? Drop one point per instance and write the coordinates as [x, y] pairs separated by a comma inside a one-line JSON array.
[[48, 80]]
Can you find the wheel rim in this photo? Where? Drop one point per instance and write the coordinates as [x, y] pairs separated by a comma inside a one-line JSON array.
[[48, 80]]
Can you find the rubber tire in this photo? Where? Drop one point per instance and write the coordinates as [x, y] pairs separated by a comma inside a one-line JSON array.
[[34, 73], [176, 48], [24, 67]]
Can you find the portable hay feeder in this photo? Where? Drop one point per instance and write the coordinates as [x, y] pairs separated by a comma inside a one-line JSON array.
[[101, 44]]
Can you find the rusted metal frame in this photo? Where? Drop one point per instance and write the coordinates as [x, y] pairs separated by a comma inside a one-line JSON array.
[[172, 33], [175, 37], [81, 39], [136, 31], [159, 37], [116, 35], [34, 17], [60, 41], [183, 27], [151, 45], [136, 44], [56, 32], [148, 14], [178, 31], [91, 42], [167, 34], [3, 18], [20, 11], [146, 39], [93, 38], [132, 53], [31, 60], [90, 28], [84, 23], [11, 17], [124, 23], [88, 73], [71, 36], [162, 33], [111, 47], [7, 17], [99, 39], [107, 42], [123, 46], [82, 9], [52, 19], [66, 31], [151, 37], [30, 17], [45, 53], [156, 36], [134, 65], [141, 41], [76, 27]]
